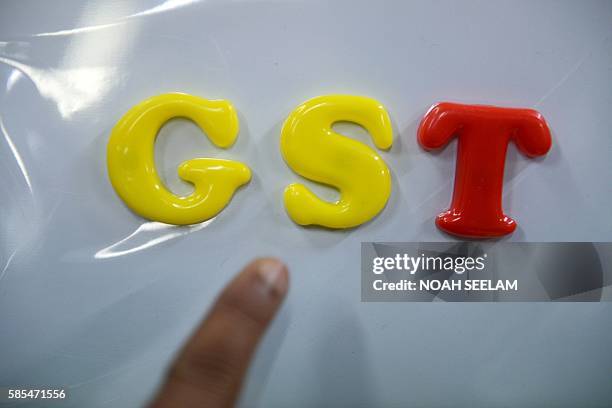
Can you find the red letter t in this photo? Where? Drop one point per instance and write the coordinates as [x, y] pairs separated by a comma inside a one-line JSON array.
[[484, 133]]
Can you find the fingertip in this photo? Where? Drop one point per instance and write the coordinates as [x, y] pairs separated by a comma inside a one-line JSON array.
[[211, 367], [272, 276]]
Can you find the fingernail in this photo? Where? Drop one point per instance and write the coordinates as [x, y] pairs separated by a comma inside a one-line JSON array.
[[273, 276]]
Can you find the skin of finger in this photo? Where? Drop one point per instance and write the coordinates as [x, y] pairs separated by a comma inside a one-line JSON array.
[[210, 368]]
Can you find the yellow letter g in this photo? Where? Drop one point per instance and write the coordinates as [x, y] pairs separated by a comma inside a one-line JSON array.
[[131, 163]]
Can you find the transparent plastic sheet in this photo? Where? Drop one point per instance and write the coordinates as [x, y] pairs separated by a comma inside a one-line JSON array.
[[96, 299]]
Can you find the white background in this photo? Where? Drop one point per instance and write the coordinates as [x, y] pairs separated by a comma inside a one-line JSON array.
[[95, 299]]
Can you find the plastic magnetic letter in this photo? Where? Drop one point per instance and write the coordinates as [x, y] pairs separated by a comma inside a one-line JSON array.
[[483, 134], [131, 164], [314, 151]]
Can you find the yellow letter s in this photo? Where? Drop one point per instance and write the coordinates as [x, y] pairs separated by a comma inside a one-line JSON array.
[[314, 151]]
